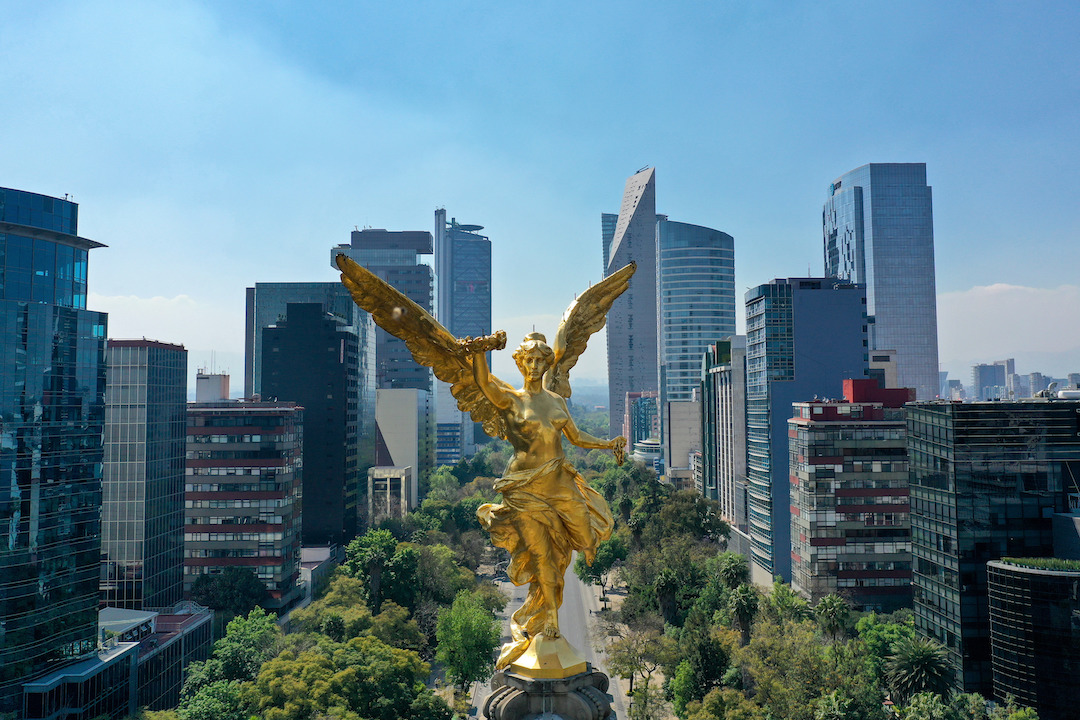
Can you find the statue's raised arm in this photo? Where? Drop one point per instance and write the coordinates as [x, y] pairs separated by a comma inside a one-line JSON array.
[[430, 343]]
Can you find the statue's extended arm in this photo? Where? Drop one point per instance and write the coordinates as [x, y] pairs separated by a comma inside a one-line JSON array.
[[587, 441], [481, 374]]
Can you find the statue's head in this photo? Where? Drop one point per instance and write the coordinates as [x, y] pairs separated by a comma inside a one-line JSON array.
[[534, 356]]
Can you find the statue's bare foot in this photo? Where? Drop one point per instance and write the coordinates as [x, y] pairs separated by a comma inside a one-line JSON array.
[[551, 625]]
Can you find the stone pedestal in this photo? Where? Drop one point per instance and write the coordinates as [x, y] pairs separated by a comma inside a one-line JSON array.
[[579, 697]]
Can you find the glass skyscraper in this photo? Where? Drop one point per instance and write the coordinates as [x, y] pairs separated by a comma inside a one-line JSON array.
[[463, 306], [52, 387], [631, 322], [804, 337], [878, 226], [695, 290], [986, 479], [142, 512]]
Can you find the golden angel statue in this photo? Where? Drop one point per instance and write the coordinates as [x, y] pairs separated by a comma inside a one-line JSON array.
[[548, 510]]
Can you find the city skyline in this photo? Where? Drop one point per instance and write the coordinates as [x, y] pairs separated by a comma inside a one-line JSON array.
[[224, 144]]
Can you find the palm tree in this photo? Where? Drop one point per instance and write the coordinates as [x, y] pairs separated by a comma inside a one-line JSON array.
[[743, 605], [918, 665], [832, 612], [732, 569]]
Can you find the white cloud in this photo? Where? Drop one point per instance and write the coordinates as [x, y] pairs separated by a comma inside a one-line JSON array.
[[182, 320], [1037, 326]]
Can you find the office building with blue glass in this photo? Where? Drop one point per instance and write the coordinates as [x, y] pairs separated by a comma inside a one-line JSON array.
[[52, 409], [142, 512], [804, 337], [878, 226], [695, 291], [462, 306]]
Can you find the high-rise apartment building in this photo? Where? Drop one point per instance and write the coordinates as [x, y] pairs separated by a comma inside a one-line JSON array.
[[243, 493], [310, 357], [804, 337], [986, 479], [723, 439], [396, 258], [850, 530], [695, 302], [142, 510], [878, 227], [463, 306], [631, 322], [52, 413]]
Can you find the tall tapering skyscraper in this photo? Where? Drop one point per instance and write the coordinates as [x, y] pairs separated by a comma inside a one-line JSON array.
[[631, 323], [878, 228], [52, 412]]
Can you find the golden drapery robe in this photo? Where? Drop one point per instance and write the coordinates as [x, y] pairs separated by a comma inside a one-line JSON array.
[[546, 514]]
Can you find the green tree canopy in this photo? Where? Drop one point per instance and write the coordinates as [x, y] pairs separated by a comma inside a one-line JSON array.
[[918, 665], [362, 679], [235, 591], [468, 635]]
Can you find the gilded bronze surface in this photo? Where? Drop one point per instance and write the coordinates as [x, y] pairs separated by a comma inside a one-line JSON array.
[[548, 510]]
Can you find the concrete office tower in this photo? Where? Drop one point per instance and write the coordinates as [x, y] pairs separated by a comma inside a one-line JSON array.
[[695, 303], [405, 421], [310, 358], [631, 323], [142, 509], [723, 440], [879, 230], [463, 306], [804, 337], [396, 258], [211, 387], [682, 440], [850, 532], [52, 406], [986, 480], [243, 496]]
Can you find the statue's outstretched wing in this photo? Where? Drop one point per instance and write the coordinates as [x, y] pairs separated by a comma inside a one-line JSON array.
[[430, 343], [585, 316]]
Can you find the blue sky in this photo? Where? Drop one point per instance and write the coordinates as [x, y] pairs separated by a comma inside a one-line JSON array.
[[213, 145]]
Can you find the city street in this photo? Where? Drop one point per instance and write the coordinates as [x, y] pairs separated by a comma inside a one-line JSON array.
[[576, 621]]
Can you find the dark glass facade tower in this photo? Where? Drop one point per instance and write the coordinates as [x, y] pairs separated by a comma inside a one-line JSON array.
[[804, 337], [395, 257], [142, 511], [52, 411], [878, 226], [267, 304], [1035, 634], [986, 477], [310, 358]]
